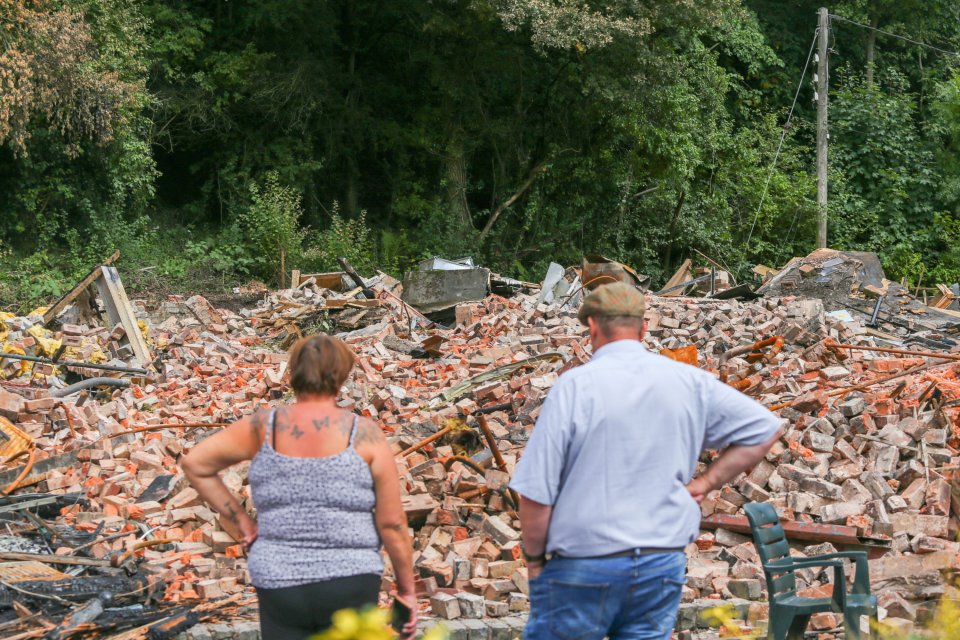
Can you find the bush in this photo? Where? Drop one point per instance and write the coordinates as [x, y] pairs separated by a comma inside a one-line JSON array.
[[270, 227], [350, 239]]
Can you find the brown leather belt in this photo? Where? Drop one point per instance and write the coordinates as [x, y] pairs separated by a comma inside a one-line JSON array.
[[638, 551]]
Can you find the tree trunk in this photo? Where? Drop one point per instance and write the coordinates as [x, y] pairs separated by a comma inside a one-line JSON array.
[[871, 48], [352, 199], [456, 165], [668, 256], [350, 103]]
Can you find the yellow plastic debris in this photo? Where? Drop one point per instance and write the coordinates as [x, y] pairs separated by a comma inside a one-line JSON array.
[[47, 346], [145, 332], [25, 366]]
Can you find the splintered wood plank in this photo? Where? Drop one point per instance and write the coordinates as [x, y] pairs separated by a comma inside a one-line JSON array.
[[23, 571], [341, 303], [679, 276], [79, 288], [120, 312]]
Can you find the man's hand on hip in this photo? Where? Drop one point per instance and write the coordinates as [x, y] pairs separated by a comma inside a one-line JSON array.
[[534, 570], [699, 487], [734, 460]]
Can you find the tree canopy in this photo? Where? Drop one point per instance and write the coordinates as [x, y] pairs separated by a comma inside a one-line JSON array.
[[205, 139]]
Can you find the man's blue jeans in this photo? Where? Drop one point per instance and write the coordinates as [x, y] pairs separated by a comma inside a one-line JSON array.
[[633, 597]]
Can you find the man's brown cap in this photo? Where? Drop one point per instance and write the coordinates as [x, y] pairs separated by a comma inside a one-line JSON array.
[[616, 299]]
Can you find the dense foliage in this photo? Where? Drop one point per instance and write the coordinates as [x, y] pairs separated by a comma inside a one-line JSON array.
[[218, 141]]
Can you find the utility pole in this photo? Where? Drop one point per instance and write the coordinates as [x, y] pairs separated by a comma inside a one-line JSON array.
[[823, 71]]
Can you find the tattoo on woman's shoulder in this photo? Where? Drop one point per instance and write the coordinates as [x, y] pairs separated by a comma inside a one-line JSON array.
[[257, 423], [368, 431]]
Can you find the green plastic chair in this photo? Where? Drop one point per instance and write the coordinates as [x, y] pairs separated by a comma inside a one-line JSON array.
[[789, 613]]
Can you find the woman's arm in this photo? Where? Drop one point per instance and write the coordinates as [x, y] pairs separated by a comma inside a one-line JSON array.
[[390, 518], [202, 466]]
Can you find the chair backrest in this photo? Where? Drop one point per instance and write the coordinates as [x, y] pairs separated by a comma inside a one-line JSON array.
[[771, 543]]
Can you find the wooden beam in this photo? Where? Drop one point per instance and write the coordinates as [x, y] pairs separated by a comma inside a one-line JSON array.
[[67, 298], [341, 303], [332, 280], [120, 312], [41, 468], [679, 276], [50, 558]]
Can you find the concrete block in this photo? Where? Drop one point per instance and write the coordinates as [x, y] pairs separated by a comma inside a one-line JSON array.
[[748, 589], [476, 629], [445, 606], [852, 407], [471, 605]]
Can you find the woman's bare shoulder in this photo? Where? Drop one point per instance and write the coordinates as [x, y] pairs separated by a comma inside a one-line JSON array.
[[259, 420], [368, 432]]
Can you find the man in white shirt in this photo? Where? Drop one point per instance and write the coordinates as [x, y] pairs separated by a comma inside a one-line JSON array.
[[606, 480]]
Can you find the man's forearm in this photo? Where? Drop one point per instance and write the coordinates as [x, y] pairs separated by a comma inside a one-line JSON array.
[[534, 523], [736, 459]]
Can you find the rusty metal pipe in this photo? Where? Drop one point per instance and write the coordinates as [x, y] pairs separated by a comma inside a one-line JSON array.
[[488, 436], [497, 456], [463, 460], [446, 430], [66, 413], [864, 385], [775, 342], [172, 425], [425, 442], [904, 352], [118, 560], [776, 346], [508, 494], [23, 474]]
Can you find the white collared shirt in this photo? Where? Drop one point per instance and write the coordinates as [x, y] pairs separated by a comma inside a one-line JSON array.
[[616, 442]]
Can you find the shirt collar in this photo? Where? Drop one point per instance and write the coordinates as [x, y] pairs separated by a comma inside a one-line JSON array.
[[633, 347]]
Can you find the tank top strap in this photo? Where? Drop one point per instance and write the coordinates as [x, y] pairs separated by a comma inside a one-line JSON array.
[[353, 430], [270, 437]]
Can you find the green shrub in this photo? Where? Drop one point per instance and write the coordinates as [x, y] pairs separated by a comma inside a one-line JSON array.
[[348, 238], [270, 227]]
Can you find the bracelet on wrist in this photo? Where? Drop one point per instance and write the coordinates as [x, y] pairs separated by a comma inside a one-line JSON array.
[[540, 558]]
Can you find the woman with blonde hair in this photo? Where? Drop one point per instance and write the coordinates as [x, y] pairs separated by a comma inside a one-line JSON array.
[[327, 494]]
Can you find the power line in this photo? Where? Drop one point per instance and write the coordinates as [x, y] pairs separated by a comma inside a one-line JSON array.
[[789, 236], [783, 135], [894, 35]]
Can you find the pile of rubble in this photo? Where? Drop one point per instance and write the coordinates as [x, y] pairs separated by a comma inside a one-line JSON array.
[[91, 477]]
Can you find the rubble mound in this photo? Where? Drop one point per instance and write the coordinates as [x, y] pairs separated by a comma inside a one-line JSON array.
[[867, 459]]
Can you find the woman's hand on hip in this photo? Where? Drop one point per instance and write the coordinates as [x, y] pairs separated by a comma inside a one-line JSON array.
[[249, 531]]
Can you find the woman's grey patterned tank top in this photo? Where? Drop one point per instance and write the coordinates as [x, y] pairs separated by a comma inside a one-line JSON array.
[[315, 517]]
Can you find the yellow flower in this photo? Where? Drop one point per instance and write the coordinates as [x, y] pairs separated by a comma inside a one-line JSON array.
[[347, 622], [725, 617], [436, 632], [350, 624], [369, 624]]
